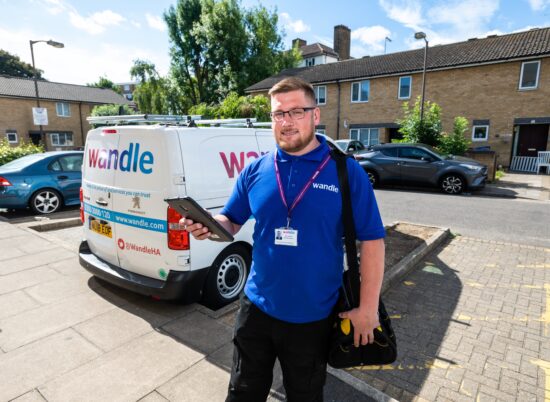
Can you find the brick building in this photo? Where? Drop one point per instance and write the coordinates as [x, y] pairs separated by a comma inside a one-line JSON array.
[[501, 84], [67, 105]]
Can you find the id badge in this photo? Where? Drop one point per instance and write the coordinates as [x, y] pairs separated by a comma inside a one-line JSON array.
[[286, 237]]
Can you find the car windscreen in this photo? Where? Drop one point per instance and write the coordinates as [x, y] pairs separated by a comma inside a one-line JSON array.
[[341, 145], [23, 162]]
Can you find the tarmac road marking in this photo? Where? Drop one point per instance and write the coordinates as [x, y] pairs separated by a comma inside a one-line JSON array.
[[546, 367]]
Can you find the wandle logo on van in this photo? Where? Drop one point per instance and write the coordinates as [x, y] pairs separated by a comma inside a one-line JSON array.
[[234, 165], [129, 160]]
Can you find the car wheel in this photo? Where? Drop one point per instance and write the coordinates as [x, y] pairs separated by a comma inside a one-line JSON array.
[[45, 201], [373, 178], [227, 276], [452, 184]]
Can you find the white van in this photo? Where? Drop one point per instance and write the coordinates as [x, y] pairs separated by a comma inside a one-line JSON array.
[[132, 238]]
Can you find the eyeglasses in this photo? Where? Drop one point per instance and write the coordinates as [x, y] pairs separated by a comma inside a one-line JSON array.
[[295, 114]]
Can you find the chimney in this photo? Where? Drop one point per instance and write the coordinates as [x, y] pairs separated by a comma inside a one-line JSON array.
[[342, 36], [299, 42]]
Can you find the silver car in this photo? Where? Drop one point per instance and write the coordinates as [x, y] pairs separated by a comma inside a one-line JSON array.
[[419, 164]]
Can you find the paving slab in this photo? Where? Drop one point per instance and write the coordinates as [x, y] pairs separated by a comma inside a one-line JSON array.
[[24, 279], [127, 373], [31, 396], [59, 289], [32, 365], [34, 324], [35, 259], [15, 302]]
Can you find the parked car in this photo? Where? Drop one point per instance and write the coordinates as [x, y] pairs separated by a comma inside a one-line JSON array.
[[44, 182], [420, 164], [351, 147]]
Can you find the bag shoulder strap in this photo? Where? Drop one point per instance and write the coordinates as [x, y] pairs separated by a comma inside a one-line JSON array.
[[351, 278]]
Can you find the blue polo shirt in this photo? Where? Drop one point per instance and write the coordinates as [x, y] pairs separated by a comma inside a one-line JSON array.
[[300, 284]]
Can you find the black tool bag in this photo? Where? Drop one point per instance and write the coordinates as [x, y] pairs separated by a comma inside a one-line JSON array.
[[342, 352]]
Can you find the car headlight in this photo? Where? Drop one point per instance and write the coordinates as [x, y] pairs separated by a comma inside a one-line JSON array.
[[471, 167]]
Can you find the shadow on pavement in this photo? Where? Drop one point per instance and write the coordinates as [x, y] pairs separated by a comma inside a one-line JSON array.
[[421, 306], [27, 215], [207, 332]]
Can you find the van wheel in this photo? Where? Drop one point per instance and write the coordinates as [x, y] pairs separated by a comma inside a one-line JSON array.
[[227, 276]]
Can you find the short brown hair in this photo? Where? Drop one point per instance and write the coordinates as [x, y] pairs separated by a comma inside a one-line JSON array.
[[293, 84]]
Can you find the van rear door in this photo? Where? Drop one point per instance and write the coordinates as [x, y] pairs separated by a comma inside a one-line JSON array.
[[150, 170], [98, 177]]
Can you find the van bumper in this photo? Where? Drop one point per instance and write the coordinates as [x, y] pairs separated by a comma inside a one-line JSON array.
[[183, 286]]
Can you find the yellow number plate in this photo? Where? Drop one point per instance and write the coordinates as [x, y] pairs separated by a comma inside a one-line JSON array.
[[101, 227]]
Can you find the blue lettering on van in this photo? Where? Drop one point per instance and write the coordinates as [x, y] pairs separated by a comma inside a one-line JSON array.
[[129, 160], [155, 225]]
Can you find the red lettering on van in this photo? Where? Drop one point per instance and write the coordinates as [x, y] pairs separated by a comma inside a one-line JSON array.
[[93, 156], [237, 161]]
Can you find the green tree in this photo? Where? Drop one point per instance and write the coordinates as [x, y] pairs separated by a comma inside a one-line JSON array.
[[155, 94], [105, 83], [12, 65], [218, 48], [111, 110], [427, 131], [456, 143]]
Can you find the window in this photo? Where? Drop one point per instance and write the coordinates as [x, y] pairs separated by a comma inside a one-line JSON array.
[[71, 163], [126, 88], [310, 62], [320, 94], [63, 109], [368, 136], [480, 133], [529, 78], [360, 91], [414, 153], [62, 139], [405, 84], [321, 131], [12, 137], [391, 152]]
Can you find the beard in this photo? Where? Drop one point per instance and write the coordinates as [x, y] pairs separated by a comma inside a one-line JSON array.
[[291, 140]]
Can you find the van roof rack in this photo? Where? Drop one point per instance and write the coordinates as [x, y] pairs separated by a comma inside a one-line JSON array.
[[188, 120]]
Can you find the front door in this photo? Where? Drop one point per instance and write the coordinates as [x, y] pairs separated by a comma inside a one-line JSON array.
[[532, 138]]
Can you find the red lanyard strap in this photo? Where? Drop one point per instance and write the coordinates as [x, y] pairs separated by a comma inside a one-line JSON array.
[[306, 186]]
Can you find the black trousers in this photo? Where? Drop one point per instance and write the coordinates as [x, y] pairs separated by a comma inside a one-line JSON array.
[[301, 349]]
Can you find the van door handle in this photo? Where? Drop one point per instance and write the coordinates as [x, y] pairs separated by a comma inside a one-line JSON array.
[[62, 177], [102, 203]]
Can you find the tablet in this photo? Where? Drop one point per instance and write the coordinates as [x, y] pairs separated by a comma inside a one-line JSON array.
[[189, 208]]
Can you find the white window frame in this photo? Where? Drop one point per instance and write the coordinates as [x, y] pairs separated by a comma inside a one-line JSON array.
[[359, 83], [8, 133], [486, 138], [317, 88], [310, 61], [357, 132], [410, 87], [537, 62], [65, 109], [54, 138]]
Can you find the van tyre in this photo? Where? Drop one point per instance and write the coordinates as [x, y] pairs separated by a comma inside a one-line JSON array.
[[452, 184], [227, 276], [46, 201]]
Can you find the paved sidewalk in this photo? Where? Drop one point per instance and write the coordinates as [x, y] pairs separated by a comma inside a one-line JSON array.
[[65, 336], [472, 323], [519, 185]]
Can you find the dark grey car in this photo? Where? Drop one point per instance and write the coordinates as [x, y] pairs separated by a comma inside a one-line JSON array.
[[419, 164]]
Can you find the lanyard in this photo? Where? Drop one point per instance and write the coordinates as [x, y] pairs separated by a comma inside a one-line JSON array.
[[306, 187]]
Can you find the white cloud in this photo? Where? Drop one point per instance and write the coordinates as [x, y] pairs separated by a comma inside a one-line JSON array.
[[295, 26], [135, 23], [54, 7], [539, 5], [72, 64], [374, 37], [156, 22], [406, 12], [97, 22], [465, 15]]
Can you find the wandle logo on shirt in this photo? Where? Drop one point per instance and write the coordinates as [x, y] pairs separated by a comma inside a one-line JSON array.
[[322, 186]]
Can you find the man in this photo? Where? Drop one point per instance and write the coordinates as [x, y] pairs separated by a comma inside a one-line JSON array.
[[296, 273]]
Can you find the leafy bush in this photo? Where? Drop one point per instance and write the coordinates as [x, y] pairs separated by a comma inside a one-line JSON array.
[[111, 110], [9, 153], [235, 107], [427, 131], [455, 143]]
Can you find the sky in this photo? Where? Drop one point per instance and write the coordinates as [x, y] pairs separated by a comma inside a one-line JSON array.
[[103, 38]]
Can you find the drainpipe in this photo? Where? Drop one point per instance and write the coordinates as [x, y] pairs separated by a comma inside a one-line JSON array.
[[81, 126], [338, 113]]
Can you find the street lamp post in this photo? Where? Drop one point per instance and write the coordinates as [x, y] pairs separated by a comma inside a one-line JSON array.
[[51, 43], [422, 35]]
